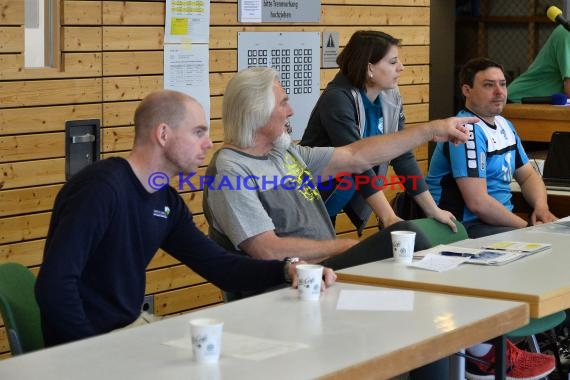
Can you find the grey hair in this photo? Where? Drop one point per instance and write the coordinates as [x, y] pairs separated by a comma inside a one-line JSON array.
[[248, 103]]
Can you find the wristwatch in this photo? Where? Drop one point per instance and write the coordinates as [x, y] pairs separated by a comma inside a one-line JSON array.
[[288, 261]]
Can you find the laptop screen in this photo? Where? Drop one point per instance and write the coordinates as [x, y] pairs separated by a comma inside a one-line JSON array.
[[557, 163]]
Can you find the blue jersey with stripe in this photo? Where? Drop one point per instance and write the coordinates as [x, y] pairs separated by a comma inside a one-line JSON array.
[[492, 152]]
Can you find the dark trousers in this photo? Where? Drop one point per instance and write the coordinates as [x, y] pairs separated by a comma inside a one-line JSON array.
[[376, 247], [476, 229]]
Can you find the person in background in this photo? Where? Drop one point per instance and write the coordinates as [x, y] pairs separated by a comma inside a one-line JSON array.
[[110, 219], [364, 100], [549, 73], [278, 212], [474, 180]]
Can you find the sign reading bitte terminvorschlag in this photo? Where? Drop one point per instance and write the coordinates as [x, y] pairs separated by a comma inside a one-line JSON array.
[[279, 10]]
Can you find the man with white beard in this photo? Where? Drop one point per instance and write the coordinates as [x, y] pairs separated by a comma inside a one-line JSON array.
[[264, 199]]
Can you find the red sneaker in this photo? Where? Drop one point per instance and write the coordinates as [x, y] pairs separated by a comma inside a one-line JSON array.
[[521, 365]]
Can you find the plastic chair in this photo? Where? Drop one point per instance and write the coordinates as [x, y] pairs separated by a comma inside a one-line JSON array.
[[19, 308], [439, 233]]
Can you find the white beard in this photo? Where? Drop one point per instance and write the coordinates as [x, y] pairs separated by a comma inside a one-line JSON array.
[[282, 142]]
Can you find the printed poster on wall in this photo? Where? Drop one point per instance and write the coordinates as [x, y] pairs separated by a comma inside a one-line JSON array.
[[186, 69], [187, 21], [279, 10]]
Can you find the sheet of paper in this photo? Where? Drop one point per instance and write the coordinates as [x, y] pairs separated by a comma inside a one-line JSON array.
[[250, 10], [186, 69], [438, 263], [376, 300], [245, 347], [187, 21]]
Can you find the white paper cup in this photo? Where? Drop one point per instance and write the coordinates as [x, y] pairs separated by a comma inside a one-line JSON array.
[[310, 277], [206, 335], [403, 246]]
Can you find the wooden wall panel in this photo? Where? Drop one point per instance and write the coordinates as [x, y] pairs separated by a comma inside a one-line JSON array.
[[11, 39], [161, 259], [24, 228], [45, 119], [32, 173], [171, 278], [78, 12], [133, 13], [81, 38], [133, 63], [76, 65], [117, 139], [46, 92], [133, 38], [30, 147], [130, 88], [119, 113], [186, 299], [27, 253], [3, 341], [12, 12], [28, 200], [111, 57]]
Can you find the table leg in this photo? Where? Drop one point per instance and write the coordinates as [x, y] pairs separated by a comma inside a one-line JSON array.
[[500, 344], [457, 366]]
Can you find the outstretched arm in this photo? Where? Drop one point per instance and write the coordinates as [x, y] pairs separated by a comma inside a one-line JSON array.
[[368, 152]]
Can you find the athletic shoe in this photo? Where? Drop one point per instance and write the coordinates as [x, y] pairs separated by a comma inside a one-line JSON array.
[[521, 365]]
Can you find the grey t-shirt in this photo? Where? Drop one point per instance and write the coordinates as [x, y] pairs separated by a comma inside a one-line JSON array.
[[250, 194]]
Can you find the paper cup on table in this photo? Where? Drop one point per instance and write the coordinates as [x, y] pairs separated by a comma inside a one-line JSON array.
[[206, 335], [403, 246], [309, 278]]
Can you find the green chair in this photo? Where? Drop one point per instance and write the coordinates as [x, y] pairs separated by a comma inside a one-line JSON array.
[[19, 308], [439, 233]]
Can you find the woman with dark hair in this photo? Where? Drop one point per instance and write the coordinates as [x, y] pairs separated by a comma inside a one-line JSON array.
[[363, 100]]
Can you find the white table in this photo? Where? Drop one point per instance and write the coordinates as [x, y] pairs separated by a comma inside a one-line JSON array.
[[541, 280], [341, 343]]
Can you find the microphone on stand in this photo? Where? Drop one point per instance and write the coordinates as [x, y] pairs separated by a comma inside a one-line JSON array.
[[558, 99], [555, 15]]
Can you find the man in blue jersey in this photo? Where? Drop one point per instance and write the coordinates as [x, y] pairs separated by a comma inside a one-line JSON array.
[[473, 180]]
